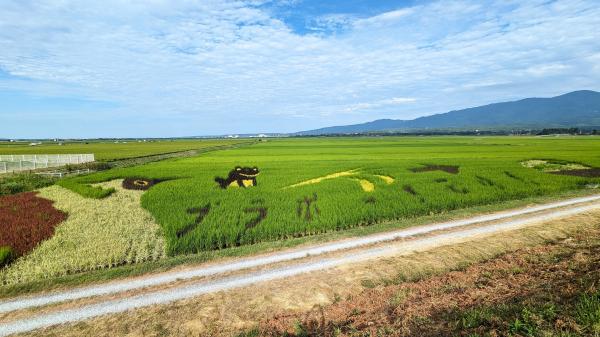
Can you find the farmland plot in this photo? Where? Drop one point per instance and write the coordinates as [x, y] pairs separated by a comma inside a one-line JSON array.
[[111, 150], [97, 234], [295, 187]]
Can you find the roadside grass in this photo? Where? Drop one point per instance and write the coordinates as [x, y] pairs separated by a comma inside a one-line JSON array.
[[345, 188], [536, 316], [418, 269], [479, 289]]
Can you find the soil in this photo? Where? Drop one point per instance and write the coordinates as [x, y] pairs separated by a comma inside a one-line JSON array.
[[588, 173], [26, 220], [551, 276], [428, 168]]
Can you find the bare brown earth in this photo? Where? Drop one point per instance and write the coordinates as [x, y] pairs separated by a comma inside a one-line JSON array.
[[360, 297]]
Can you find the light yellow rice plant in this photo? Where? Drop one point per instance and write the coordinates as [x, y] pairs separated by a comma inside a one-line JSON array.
[[97, 234]]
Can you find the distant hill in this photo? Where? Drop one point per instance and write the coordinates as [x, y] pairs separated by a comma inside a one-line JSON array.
[[575, 109]]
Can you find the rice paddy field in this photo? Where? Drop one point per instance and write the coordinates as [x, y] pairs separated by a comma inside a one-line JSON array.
[[113, 150], [309, 186], [275, 190]]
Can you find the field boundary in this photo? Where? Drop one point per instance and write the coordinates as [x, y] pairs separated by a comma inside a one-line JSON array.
[[28, 162], [140, 160]]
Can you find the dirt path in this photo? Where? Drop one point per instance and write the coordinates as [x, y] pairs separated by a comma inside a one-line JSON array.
[[305, 260]]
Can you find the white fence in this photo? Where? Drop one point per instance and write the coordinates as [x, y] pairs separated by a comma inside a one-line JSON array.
[[25, 162]]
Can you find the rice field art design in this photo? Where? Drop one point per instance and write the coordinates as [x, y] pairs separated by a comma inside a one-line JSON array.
[[562, 167], [25, 221], [239, 177], [363, 180], [310, 186], [140, 184], [97, 234]]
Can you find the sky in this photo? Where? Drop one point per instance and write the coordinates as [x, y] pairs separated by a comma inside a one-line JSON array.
[[175, 68]]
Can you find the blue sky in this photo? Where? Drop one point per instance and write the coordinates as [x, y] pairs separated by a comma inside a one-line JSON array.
[[164, 68]]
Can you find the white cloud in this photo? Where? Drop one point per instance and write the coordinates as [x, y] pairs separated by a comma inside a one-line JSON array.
[[385, 18], [378, 104], [197, 63]]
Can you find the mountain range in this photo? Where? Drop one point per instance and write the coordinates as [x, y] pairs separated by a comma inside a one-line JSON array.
[[574, 109]]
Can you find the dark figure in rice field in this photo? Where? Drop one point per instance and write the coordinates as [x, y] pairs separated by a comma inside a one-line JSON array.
[[239, 177]]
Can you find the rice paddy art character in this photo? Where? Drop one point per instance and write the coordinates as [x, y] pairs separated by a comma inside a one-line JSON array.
[[365, 184], [260, 210], [307, 208], [141, 184], [201, 213], [239, 177]]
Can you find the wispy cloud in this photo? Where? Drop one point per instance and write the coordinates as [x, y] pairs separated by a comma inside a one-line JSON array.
[[378, 104], [191, 65]]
